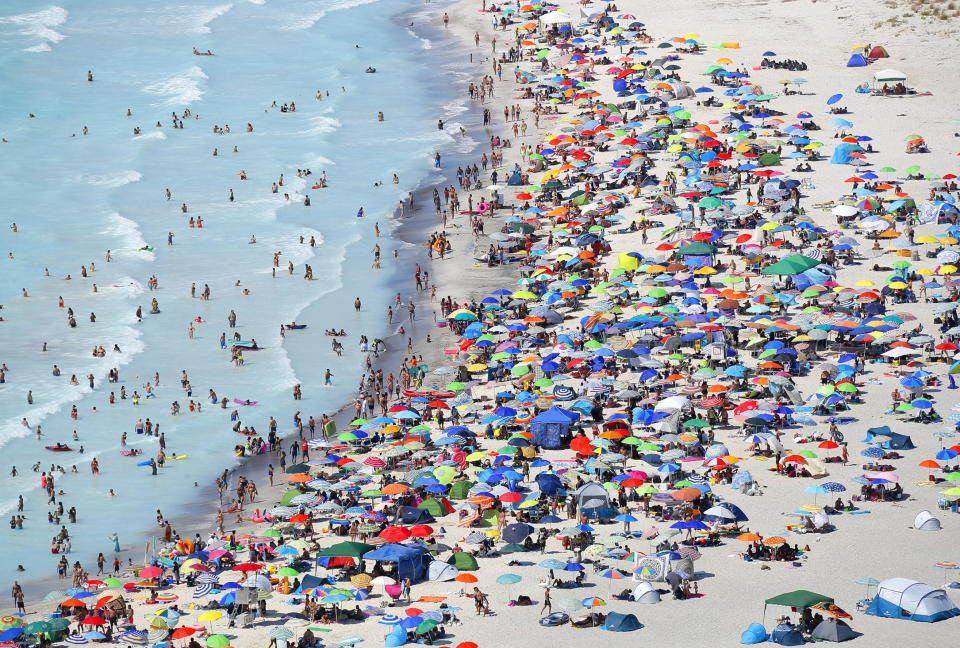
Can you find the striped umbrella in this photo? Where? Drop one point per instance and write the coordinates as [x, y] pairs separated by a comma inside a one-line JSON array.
[[76, 639], [133, 638], [389, 619], [281, 633], [592, 601], [613, 574], [155, 635], [207, 578], [374, 462], [202, 590]]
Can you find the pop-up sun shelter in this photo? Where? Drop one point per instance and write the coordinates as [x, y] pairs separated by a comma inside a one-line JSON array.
[[896, 441], [617, 622], [551, 426], [857, 60], [902, 598], [411, 561]]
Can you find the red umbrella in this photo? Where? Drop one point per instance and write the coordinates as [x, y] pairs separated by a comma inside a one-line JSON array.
[[421, 531], [180, 633], [467, 644], [412, 612], [247, 567], [298, 518], [511, 497], [395, 534], [151, 572], [93, 620]]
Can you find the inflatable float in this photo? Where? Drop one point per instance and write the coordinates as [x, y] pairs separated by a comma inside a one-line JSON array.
[[294, 327], [244, 402], [59, 448]]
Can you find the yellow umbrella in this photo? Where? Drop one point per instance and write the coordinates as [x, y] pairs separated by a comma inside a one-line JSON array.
[[212, 615], [865, 283], [948, 269]]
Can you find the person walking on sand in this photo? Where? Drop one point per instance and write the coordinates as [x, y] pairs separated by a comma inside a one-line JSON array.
[[547, 605]]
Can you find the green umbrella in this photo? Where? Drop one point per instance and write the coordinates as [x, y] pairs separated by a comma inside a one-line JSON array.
[[696, 423], [287, 571], [217, 641], [285, 500], [455, 386], [793, 264], [272, 533], [37, 627], [848, 388], [426, 626], [709, 202], [57, 625]]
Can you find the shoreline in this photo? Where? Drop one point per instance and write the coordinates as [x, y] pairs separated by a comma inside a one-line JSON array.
[[822, 561]]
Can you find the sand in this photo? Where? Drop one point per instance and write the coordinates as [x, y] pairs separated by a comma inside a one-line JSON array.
[[880, 544]]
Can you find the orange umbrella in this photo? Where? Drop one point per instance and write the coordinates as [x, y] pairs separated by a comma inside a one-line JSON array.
[[300, 478], [466, 578], [748, 537], [394, 489], [774, 541]]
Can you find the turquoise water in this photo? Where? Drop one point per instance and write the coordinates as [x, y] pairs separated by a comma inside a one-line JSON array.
[[74, 196]]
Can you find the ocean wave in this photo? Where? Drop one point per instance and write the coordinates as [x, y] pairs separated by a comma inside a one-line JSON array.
[[40, 24], [198, 19], [130, 236], [424, 42], [181, 89], [456, 107], [311, 13], [112, 180], [314, 160], [320, 125], [157, 135]]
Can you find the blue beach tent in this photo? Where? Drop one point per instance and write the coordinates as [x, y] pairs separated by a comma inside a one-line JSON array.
[[902, 598], [857, 60], [617, 622], [548, 428]]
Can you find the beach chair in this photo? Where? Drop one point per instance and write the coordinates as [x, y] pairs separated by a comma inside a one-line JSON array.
[[394, 592]]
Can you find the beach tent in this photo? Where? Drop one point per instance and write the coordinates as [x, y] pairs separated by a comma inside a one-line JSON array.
[[897, 441], [437, 507], [841, 154], [902, 598], [646, 593], [926, 522], [754, 634], [878, 52], [309, 581], [889, 75], [786, 634], [833, 630], [857, 60], [617, 622], [556, 18], [440, 571], [515, 179], [551, 426], [411, 515], [592, 496], [411, 560], [460, 490], [463, 561]]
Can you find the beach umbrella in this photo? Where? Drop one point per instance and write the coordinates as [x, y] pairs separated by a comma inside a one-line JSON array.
[[217, 641], [281, 633], [592, 601], [76, 639]]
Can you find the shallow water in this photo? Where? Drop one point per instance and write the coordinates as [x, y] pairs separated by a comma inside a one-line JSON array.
[[74, 196]]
